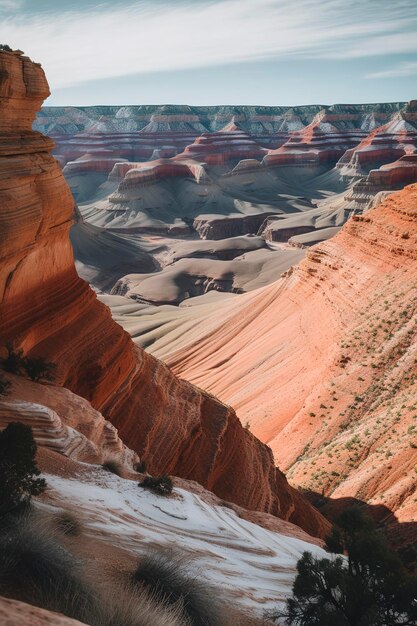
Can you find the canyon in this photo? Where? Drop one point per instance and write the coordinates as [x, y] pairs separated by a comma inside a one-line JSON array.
[[314, 347], [148, 180], [227, 294], [48, 311]]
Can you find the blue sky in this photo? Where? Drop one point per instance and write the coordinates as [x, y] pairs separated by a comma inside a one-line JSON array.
[[271, 52]]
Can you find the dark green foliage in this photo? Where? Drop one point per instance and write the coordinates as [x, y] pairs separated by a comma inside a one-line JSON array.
[[37, 368], [18, 469], [169, 579], [4, 386], [370, 588], [161, 485], [5, 48], [14, 361], [113, 467]]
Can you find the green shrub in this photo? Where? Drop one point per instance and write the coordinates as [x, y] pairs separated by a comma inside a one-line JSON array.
[[18, 469], [14, 361], [112, 466], [37, 368], [370, 588], [161, 485]]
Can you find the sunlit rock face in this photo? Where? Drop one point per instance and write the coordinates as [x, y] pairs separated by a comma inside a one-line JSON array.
[[48, 311], [323, 361]]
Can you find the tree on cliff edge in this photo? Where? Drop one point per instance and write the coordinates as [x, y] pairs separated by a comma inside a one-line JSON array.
[[18, 470], [369, 588]]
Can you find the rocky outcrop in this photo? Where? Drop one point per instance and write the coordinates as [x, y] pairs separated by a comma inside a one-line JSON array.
[[323, 141], [229, 144], [234, 225], [64, 422], [48, 311], [384, 144], [364, 193], [311, 134]]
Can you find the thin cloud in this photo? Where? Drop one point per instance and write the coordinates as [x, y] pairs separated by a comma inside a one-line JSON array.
[[10, 5], [407, 68], [78, 47]]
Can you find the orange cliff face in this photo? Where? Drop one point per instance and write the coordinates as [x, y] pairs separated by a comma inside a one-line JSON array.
[[323, 363], [47, 310]]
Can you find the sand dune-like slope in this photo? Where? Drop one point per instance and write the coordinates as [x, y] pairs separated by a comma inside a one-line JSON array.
[[322, 363], [254, 567], [188, 278]]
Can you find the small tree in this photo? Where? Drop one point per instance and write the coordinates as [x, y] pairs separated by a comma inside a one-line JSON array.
[[370, 588], [5, 48], [37, 368], [18, 469]]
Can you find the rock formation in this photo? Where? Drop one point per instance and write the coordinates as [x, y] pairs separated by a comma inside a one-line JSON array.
[[289, 175], [47, 310], [322, 363]]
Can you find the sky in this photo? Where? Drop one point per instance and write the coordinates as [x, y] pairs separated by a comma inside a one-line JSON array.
[[208, 52]]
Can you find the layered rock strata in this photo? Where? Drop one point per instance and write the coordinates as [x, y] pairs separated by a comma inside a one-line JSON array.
[[47, 310], [322, 363]]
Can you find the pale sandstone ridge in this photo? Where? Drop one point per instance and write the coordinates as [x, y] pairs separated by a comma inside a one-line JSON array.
[[323, 363], [46, 309], [64, 422]]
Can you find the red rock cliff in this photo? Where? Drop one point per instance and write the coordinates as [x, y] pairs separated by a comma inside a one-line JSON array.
[[46, 309]]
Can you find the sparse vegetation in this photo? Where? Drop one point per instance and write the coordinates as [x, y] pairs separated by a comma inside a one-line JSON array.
[[172, 580], [162, 485], [38, 569], [18, 470], [5, 48], [36, 368], [112, 466], [13, 362], [68, 524], [370, 588]]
